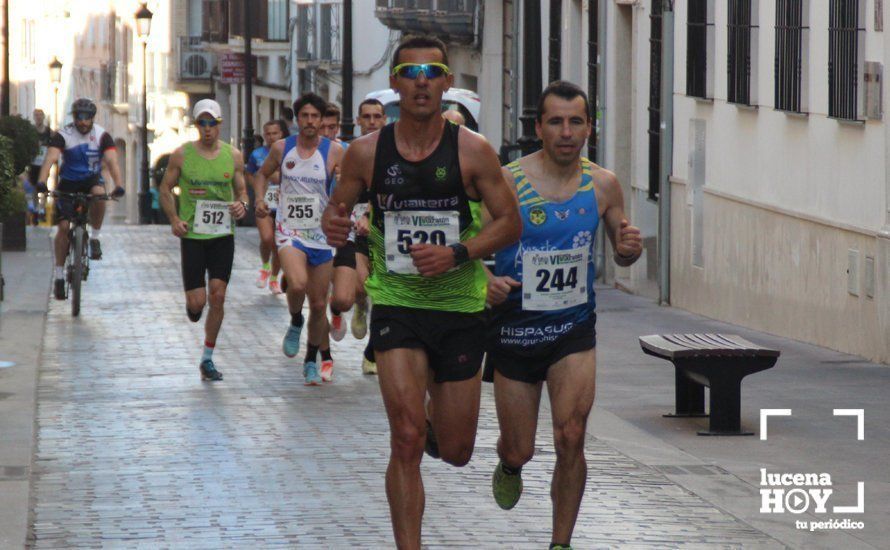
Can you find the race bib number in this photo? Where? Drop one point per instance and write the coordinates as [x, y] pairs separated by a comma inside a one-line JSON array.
[[212, 218], [409, 227], [271, 197], [302, 212], [554, 279]]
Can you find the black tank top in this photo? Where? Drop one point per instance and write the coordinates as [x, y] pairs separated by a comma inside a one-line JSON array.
[[434, 183]]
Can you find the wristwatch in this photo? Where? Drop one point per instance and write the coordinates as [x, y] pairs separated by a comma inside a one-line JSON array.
[[461, 255], [244, 203]]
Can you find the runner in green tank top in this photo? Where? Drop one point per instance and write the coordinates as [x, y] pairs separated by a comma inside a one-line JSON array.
[[427, 326], [210, 174], [203, 180]]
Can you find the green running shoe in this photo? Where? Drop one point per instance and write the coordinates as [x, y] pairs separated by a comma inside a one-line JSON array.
[[561, 547], [506, 488]]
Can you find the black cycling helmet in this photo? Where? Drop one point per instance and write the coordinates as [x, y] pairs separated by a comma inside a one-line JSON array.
[[83, 105]]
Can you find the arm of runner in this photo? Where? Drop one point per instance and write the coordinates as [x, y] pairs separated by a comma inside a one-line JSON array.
[[625, 238], [260, 180], [505, 228], [335, 222], [168, 202], [335, 159], [110, 160], [499, 287], [238, 208], [52, 156]]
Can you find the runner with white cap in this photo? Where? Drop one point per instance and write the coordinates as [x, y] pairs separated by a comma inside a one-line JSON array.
[[210, 175]]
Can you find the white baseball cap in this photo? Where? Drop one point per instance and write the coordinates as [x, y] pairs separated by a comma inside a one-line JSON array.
[[207, 106]]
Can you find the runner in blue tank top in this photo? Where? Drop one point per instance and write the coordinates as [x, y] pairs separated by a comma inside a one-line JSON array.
[[543, 321]]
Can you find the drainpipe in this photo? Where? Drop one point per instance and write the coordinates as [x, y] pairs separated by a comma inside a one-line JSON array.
[[531, 75], [554, 66], [667, 152]]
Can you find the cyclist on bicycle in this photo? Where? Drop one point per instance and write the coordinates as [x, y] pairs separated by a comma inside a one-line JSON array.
[[84, 147]]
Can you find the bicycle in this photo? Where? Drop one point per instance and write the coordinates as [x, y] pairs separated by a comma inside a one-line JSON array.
[[77, 264]]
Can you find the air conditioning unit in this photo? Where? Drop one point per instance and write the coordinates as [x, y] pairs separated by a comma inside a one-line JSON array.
[[196, 65]]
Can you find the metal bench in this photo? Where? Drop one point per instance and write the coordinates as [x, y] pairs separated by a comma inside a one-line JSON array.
[[718, 361]]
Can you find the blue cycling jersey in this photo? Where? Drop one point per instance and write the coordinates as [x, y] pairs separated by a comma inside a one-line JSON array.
[[81, 153]]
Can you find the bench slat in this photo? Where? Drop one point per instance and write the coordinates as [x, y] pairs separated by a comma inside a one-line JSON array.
[[676, 346]]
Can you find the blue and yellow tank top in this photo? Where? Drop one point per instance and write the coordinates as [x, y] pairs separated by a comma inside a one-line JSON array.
[[554, 261]]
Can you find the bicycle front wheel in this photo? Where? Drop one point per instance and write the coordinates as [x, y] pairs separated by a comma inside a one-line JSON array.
[[76, 252]]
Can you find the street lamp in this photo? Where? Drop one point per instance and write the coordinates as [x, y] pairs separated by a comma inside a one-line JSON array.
[[143, 28], [55, 76]]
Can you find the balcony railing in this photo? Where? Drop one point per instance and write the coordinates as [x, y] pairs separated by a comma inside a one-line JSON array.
[[329, 37], [306, 32], [268, 19], [195, 63], [113, 82], [453, 20], [215, 21]]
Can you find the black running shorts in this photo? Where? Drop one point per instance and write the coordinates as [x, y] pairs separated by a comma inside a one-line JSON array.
[[206, 257], [532, 364], [453, 341], [361, 245], [65, 205], [345, 256]]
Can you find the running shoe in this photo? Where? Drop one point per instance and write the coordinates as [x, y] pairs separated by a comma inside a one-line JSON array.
[[274, 287], [431, 446], [59, 289], [561, 547], [262, 278], [338, 328], [359, 322], [310, 373], [506, 488], [209, 372], [368, 367], [327, 370], [95, 249], [291, 344]]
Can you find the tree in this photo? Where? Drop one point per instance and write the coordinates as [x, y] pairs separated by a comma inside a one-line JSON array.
[[25, 140], [12, 199]]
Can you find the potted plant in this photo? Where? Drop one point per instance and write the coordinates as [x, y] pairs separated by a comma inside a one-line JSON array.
[[22, 144]]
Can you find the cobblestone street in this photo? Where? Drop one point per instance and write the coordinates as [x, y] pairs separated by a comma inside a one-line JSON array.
[[134, 450]]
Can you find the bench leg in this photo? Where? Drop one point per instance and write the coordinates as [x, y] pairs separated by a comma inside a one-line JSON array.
[[689, 399], [726, 407]]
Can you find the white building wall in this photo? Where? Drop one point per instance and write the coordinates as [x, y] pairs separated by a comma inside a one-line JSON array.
[[765, 240]]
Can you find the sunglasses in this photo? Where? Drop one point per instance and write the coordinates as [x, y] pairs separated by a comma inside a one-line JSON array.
[[207, 122], [83, 116], [412, 70]]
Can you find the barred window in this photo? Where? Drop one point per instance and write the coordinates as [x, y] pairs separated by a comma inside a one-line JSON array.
[[699, 48], [844, 61], [792, 37], [742, 48]]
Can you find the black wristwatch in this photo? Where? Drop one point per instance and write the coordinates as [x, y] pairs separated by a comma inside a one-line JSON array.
[[461, 255]]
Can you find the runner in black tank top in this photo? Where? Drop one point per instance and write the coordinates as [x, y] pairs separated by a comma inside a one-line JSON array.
[[425, 250]]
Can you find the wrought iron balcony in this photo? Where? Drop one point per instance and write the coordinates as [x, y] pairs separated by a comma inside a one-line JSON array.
[[453, 20], [215, 21]]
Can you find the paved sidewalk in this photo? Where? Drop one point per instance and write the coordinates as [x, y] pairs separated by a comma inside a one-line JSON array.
[[22, 319], [133, 450]]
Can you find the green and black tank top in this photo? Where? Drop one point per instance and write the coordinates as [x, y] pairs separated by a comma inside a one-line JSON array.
[[421, 202]]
